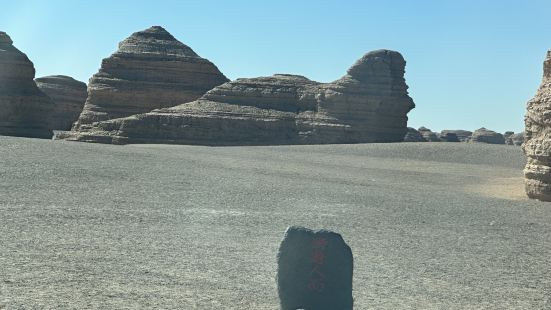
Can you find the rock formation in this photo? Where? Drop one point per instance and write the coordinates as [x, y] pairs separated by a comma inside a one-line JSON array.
[[150, 70], [428, 135], [507, 135], [449, 137], [512, 138], [24, 109], [484, 135], [412, 135], [537, 139], [369, 104], [68, 96], [462, 135], [516, 139]]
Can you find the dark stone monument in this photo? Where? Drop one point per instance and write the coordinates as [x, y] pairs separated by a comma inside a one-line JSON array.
[[314, 271]]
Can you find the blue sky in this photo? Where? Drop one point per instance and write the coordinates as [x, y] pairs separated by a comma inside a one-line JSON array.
[[469, 63]]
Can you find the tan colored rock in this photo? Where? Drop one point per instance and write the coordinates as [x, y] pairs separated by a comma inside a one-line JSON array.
[[24, 109], [537, 139], [150, 70], [483, 135], [68, 96], [369, 104]]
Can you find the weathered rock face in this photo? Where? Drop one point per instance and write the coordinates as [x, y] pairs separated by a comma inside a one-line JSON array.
[[484, 135], [462, 135], [537, 139], [150, 70], [24, 109], [413, 135], [428, 135], [369, 104], [68, 96]]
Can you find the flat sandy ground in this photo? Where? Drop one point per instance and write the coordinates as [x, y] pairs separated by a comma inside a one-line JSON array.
[[431, 225]]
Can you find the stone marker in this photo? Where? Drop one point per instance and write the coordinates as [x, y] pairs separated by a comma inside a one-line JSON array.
[[314, 271]]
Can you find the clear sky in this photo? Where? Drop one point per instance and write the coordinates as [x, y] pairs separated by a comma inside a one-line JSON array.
[[470, 63]]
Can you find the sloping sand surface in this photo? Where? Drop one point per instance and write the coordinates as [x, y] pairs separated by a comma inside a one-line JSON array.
[[431, 225]]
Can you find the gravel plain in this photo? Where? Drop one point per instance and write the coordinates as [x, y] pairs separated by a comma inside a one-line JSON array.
[[431, 225]]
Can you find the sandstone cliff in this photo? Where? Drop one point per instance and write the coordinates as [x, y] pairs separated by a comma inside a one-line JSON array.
[[537, 139], [68, 96], [24, 109], [369, 104], [150, 70]]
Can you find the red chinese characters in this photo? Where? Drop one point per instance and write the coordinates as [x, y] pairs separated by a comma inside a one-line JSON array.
[[317, 277]]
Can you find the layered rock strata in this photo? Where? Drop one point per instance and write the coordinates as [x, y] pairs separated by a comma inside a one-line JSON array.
[[369, 104], [537, 139], [24, 109], [68, 96], [484, 135], [150, 70]]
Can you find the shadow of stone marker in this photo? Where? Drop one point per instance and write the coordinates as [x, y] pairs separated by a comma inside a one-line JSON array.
[[314, 271]]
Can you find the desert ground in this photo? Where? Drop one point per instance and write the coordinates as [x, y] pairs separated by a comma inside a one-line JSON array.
[[431, 225]]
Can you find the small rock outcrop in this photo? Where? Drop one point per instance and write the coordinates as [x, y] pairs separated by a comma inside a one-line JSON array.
[[507, 135], [413, 135], [484, 135], [516, 139], [537, 139], [449, 137], [68, 96], [462, 135], [429, 135], [150, 70], [369, 104], [24, 109], [512, 138]]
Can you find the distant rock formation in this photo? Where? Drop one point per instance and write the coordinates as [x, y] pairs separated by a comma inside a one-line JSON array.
[[369, 104], [68, 96], [429, 135], [462, 135], [507, 135], [24, 109], [484, 135], [412, 135], [516, 139], [449, 137], [150, 70], [537, 139]]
